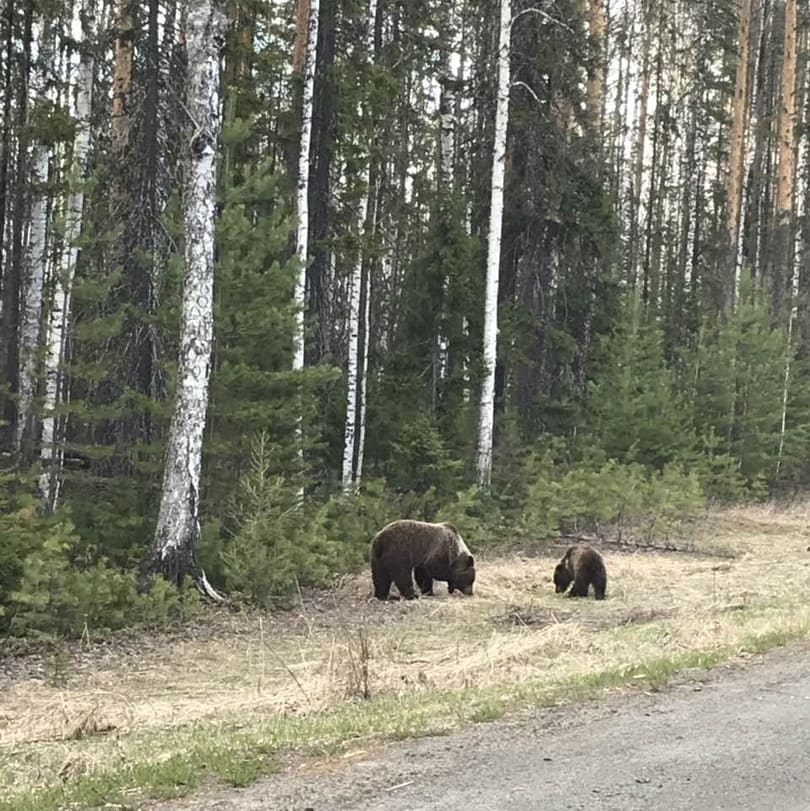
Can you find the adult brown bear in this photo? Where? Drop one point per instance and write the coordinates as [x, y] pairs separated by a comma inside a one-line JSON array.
[[581, 565], [406, 549]]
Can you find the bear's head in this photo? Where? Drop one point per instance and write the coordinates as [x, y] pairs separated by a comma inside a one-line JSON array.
[[462, 575], [562, 578]]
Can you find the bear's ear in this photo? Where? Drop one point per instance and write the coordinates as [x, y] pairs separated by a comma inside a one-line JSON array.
[[470, 561]]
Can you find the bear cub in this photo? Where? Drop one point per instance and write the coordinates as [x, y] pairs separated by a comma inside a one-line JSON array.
[[404, 550], [582, 566]]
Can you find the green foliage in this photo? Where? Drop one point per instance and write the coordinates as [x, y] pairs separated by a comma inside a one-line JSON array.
[[272, 551], [595, 493], [636, 413], [50, 589]]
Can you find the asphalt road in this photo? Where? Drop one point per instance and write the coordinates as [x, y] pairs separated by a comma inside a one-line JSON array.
[[739, 739]]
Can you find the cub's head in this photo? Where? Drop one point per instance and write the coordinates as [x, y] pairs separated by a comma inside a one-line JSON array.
[[562, 578], [462, 574]]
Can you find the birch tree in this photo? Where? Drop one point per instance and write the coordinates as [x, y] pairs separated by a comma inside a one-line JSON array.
[[59, 316], [642, 102], [302, 195], [737, 154], [487, 405], [357, 295], [178, 524], [36, 250], [302, 202]]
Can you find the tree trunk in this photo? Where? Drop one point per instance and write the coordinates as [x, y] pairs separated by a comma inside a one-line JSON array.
[[794, 278], [6, 148], [595, 88], [59, 317], [302, 196], [357, 292], [300, 49], [178, 524], [487, 410], [640, 146], [12, 279], [737, 150], [319, 276], [785, 179], [122, 75], [35, 261], [302, 211]]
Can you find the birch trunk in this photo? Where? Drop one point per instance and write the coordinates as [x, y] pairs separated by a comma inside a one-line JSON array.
[[178, 525], [59, 316], [737, 155], [783, 241], [34, 282], [357, 294], [487, 412], [35, 258], [800, 198], [302, 207], [361, 440], [641, 144]]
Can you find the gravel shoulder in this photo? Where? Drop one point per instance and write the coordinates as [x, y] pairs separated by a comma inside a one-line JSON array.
[[736, 737]]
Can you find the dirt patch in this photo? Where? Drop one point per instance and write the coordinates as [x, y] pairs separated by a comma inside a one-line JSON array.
[[531, 617], [537, 617]]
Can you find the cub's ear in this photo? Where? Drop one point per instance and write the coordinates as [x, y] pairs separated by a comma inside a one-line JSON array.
[[470, 561]]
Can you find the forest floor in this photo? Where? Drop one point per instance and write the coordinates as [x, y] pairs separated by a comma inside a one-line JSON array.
[[235, 695]]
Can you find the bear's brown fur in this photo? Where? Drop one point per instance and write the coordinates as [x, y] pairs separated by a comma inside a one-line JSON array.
[[581, 565], [406, 549]]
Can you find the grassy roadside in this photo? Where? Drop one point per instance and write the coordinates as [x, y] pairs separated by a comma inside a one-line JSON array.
[[236, 753], [427, 667]]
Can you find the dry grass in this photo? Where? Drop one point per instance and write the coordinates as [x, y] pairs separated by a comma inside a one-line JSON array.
[[516, 630]]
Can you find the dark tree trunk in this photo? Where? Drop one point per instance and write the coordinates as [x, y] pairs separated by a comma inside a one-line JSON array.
[[12, 279], [323, 135]]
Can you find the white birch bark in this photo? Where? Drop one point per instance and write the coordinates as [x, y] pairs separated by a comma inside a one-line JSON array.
[[355, 295], [59, 315], [302, 195], [35, 262], [351, 371], [361, 439], [36, 253], [793, 280], [302, 211], [178, 527], [487, 412]]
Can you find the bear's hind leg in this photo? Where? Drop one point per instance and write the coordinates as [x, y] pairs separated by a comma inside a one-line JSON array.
[[600, 585], [580, 587], [424, 581], [381, 580], [404, 584]]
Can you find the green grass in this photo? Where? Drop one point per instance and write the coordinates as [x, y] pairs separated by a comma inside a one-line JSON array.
[[174, 762]]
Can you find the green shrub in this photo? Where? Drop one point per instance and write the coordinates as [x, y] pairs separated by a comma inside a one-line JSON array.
[[47, 590], [592, 494]]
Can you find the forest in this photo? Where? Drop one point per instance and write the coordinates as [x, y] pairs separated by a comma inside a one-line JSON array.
[[273, 273]]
